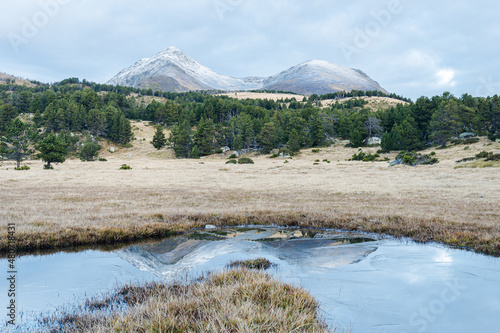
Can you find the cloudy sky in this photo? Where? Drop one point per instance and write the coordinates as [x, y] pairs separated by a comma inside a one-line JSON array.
[[411, 48]]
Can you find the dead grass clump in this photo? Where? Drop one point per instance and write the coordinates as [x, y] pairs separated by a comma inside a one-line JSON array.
[[231, 301], [259, 263]]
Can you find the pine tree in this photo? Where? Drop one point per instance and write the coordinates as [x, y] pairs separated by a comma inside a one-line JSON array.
[[16, 144], [204, 137], [96, 122], [294, 141], [52, 150], [180, 139], [238, 142], [445, 122], [195, 153], [357, 139], [267, 138], [317, 132], [126, 134], [7, 113], [36, 105], [159, 141]]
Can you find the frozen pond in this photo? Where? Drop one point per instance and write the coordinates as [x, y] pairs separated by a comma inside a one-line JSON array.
[[363, 283]]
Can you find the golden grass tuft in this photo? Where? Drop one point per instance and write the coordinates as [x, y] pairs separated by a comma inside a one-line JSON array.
[[237, 300]]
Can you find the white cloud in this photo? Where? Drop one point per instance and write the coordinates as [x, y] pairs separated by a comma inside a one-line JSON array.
[[445, 77]]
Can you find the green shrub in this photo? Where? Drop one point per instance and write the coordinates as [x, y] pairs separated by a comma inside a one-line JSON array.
[[494, 136], [470, 141], [102, 159], [90, 150], [24, 167], [484, 154], [430, 161], [408, 159], [48, 167], [218, 151], [233, 156], [274, 156], [493, 157], [125, 167], [315, 150], [413, 158], [231, 162], [245, 160], [362, 156], [467, 159]]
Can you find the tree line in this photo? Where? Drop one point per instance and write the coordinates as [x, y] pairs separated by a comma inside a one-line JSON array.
[[202, 123]]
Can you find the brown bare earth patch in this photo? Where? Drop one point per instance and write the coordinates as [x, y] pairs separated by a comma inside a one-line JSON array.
[[81, 203]]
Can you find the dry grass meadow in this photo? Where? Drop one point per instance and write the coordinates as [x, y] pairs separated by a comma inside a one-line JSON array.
[[81, 203]]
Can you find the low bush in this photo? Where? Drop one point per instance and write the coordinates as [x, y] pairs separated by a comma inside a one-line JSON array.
[[467, 141], [467, 159], [362, 156], [494, 137], [231, 162], [274, 156], [125, 167], [484, 154], [245, 160], [102, 159], [493, 157], [24, 167], [470, 141], [233, 156], [412, 158]]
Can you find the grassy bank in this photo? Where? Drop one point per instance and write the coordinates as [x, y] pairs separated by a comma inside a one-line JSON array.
[[96, 203], [482, 239], [237, 300]]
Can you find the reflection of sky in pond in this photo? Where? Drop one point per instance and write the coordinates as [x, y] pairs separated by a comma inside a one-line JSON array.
[[376, 286]]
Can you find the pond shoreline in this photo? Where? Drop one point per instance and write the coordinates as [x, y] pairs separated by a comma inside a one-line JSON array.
[[456, 235]]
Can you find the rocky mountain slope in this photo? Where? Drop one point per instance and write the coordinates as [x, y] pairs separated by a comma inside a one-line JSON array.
[[173, 70]]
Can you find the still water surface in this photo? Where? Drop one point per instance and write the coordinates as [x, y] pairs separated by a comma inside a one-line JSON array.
[[362, 282]]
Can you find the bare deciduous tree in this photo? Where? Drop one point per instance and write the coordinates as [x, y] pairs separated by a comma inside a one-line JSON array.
[[373, 126]]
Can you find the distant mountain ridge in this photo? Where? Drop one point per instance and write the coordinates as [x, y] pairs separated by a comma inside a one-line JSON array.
[[173, 70]]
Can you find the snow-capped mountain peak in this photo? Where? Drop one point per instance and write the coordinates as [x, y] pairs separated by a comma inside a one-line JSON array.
[[173, 70]]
